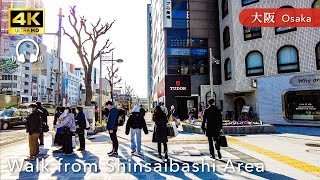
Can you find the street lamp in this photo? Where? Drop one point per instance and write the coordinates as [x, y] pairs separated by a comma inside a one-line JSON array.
[[105, 59], [216, 61]]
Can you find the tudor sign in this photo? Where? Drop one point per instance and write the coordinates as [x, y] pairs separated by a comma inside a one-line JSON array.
[[178, 87]]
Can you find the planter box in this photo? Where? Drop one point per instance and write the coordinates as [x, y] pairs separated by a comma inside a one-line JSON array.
[[257, 129]]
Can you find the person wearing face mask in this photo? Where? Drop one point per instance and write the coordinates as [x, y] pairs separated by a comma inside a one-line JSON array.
[[34, 129], [81, 126], [68, 128]]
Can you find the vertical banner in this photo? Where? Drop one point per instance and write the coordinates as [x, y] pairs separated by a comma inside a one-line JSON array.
[[167, 14]]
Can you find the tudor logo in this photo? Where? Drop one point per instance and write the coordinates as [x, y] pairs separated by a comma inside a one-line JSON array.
[[177, 88], [177, 83]]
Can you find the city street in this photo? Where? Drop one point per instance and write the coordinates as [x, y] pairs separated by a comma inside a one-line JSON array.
[[284, 155]]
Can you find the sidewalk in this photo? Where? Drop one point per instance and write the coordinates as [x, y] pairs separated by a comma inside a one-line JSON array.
[[184, 150]]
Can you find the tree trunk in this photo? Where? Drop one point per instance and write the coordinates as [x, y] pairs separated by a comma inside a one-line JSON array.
[[88, 86]]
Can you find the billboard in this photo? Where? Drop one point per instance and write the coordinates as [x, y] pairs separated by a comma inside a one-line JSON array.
[[178, 52], [167, 14]]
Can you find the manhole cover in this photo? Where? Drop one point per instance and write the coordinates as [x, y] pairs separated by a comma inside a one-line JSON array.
[[313, 144]]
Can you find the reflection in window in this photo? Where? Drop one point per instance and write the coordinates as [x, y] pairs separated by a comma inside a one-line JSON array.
[[318, 56], [227, 69], [302, 105], [280, 30], [180, 14], [288, 59], [199, 42], [177, 33], [316, 4], [226, 37], [224, 8], [252, 33], [180, 5], [247, 2], [178, 42], [254, 64]]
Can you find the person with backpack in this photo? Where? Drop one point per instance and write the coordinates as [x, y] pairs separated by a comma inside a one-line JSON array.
[[135, 123], [45, 127], [160, 134], [112, 126], [142, 111], [81, 124]]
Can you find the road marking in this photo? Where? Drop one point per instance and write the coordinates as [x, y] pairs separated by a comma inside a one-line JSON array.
[[309, 168]]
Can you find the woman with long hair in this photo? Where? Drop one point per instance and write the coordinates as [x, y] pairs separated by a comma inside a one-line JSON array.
[[160, 131]]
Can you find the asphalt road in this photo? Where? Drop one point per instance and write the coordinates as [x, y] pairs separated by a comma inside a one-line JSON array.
[[17, 134]]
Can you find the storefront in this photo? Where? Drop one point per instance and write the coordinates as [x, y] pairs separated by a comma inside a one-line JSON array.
[[290, 99], [178, 93]]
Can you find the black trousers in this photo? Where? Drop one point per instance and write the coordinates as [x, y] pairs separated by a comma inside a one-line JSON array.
[[82, 140], [165, 146], [41, 138], [114, 140], [211, 139], [67, 142]]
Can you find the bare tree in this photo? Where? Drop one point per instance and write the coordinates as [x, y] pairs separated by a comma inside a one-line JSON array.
[[129, 90], [113, 76], [81, 37]]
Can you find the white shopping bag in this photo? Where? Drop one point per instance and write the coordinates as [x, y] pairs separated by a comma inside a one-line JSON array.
[[175, 129], [74, 143]]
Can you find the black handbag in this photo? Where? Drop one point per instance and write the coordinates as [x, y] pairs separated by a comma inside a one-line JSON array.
[[45, 127], [170, 131], [223, 140]]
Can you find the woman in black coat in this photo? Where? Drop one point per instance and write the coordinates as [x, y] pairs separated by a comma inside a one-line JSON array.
[[160, 131]]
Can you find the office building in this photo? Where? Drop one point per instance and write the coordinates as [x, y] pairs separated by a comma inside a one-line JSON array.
[[149, 54]]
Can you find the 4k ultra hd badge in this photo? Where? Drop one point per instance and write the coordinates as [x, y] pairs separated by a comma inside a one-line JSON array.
[[26, 21]]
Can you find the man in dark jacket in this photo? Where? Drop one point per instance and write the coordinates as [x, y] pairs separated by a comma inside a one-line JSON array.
[[112, 126], [81, 126], [44, 116], [212, 126], [135, 123], [142, 111], [105, 111], [34, 129]]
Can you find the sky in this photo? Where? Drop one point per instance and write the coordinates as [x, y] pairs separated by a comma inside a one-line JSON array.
[[128, 35]]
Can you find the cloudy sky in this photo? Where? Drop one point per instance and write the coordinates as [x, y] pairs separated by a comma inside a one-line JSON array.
[[128, 35]]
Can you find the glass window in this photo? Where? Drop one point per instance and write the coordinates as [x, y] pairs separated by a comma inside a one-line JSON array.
[[179, 61], [318, 56], [180, 14], [180, 5], [227, 69], [180, 23], [252, 33], [224, 8], [254, 64], [280, 30], [288, 59], [226, 37], [199, 52], [6, 50], [178, 42], [247, 2], [199, 42], [302, 105], [200, 61], [178, 70], [177, 33], [316, 4]]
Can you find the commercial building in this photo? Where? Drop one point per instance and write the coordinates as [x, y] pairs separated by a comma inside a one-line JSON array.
[[70, 85], [149, 54], [16, 80], [182, 33], [273, 71]]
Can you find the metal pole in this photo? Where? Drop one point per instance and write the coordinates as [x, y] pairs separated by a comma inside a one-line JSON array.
[[59, 58], [100, 89], [211, 74]]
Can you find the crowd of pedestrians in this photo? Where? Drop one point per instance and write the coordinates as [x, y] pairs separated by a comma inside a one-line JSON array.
[[69, 121]]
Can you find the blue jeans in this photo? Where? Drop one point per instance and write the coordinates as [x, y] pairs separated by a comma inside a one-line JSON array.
[[136, 133]]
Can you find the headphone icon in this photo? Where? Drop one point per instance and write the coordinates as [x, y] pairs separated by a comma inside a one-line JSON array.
[[33, 57]]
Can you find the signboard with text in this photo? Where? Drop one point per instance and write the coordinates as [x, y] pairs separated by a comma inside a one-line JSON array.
[[178, 52], [167, 14], [308, 80]]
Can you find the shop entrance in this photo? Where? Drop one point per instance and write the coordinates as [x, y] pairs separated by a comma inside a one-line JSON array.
[[238, 105], [184, 106]]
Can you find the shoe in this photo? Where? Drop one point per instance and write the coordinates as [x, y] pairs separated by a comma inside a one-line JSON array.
[[109, 153], [133, 151], [212, 157], [139, 153], [41, 144], [114, 154], [166, 156], [80, 149], [219, 155]]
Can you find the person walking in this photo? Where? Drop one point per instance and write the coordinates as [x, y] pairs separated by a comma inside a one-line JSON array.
[[112, 126], [160, 131], [142, 111], [164, 108], [212, 126], [45, 115], [135, 123], [34, 128], [81, 124], [68, 128]]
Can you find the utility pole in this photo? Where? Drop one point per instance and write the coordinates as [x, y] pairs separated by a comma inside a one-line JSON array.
[[112, 79], [211, 73], [59, 58]]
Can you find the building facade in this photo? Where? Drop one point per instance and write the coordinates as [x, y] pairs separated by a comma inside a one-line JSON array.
[[70, 85], [149, 54], [182, 33]]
